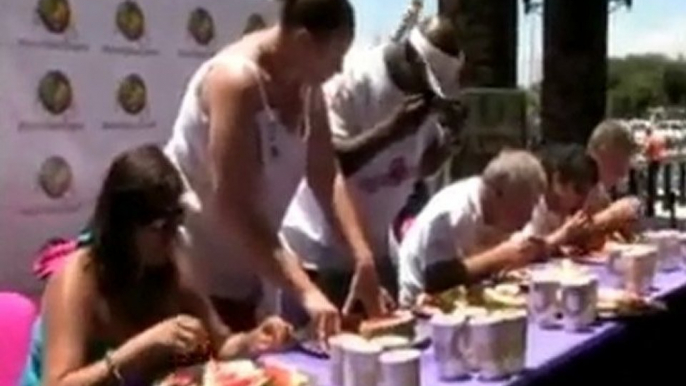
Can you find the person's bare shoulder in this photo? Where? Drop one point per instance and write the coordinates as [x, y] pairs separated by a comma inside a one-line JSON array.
[[75, 282], [233, 72]]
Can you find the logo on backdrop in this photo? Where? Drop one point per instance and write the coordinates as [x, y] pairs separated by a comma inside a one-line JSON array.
[[200, 29], [255, 22], [132, 94], [55, 97], [201, 26], [130, 21], [55, 15], [55, 181], [57, 19], [55, 92], [55, 177]]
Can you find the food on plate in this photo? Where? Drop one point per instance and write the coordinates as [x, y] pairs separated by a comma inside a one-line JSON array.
[[281, 375], [391, 342], [181, 378], [616, 302], [234, 373], [400, 323], [521, 276], [505, 295], [237, 373]]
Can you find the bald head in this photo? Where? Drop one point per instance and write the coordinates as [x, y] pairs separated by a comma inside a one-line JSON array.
[[319, 17]]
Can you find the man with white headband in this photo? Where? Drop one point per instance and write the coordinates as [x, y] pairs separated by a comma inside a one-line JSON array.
[[387, 111]]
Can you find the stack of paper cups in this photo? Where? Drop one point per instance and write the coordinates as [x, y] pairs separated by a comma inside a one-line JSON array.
[[543, 299], [400, 368], [682, 244], [639, 264], [515, 340], [468, 350], [337, 356], [579, 298], [361, 363], [448, 333], [668, 245], [487, 338]]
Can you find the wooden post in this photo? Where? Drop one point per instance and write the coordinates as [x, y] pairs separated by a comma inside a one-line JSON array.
[[574, 68], [488, 30]]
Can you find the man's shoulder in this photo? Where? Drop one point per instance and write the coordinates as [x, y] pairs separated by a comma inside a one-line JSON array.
[[456, 200], [363, 69]]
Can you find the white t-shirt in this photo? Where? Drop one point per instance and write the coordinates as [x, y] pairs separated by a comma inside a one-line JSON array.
[[450, 227], [358, 99]]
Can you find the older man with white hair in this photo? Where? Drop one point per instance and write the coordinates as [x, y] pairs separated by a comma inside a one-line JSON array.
[[464, 232]]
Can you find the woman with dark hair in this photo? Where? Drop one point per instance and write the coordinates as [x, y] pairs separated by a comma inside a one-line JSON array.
[[124, 306], [251, 125]]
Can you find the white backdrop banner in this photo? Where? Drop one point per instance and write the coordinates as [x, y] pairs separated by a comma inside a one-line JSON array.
[[81, 81]]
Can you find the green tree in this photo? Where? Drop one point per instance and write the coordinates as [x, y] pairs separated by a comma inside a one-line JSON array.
[[674, 83]]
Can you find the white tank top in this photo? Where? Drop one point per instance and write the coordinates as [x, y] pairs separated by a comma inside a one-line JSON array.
[[283, 160]]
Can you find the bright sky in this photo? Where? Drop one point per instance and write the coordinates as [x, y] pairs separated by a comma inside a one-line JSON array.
[[650, 26]]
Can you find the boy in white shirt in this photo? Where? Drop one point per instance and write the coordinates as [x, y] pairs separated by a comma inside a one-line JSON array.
[[464, 232], [560, 216]]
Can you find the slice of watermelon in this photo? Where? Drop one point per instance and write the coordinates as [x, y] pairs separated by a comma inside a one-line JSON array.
[[280, 375]]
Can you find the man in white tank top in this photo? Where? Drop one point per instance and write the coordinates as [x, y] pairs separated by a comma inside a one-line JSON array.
[[384, 111], [251, 125]]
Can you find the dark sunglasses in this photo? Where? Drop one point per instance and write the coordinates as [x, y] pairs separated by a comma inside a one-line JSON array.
[[169, 220]]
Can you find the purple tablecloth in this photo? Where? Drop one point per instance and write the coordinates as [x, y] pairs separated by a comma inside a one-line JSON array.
[[545, 349]]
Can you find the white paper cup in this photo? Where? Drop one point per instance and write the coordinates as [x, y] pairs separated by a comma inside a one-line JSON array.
[[515, 338], [488, 340], [400, 368], [639, 269], [668, 245], [337, 354], [543, 299], [361, 363], [468, 351], [450, 343], [615, 267], [579, 298], [391, 342]]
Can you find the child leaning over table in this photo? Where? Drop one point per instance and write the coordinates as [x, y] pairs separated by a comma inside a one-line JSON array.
[[560, 216]]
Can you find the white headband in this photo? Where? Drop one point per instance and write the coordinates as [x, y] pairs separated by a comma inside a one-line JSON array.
[[443, 69]]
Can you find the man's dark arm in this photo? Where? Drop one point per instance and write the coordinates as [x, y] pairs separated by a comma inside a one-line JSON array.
[[434, 157], [355, 152], [445, 275]]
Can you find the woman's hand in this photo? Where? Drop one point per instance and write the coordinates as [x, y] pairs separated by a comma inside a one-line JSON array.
[[179, 335]]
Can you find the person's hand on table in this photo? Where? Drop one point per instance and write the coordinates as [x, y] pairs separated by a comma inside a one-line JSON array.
[[179, 336], [366, 289], [325, 318], [628, 209], [576, 227], [272, 334], [530, 250]]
